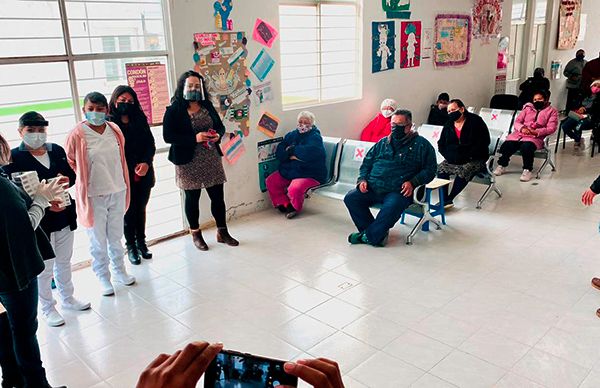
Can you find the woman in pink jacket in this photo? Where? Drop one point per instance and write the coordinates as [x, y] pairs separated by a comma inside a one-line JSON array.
[[536, 121]]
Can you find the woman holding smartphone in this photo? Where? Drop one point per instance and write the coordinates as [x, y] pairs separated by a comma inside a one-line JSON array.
[[194, 129]]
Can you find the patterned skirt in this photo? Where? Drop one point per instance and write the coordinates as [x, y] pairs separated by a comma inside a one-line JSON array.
[[204, 170], [466, 171]]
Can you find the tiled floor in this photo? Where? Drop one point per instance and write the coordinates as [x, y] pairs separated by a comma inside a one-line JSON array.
[[500, 297]]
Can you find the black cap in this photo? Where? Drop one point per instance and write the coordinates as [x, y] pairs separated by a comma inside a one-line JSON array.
[[32, 119]]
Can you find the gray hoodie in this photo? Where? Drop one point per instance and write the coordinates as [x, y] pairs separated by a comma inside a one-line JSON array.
[[574, 69]]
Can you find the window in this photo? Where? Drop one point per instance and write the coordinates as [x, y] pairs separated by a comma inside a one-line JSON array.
[[320, 52]]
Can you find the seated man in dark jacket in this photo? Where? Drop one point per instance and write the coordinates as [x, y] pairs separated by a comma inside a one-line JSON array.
[[302, 158], [390, 172], [464, 143]]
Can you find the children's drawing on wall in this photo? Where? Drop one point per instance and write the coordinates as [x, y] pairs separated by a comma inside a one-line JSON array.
[[384, 46], [221, 59], [452, 45], [427, 43], [268, 124], [569, 19], [487, 19], [223, 9], [410, 44], [396, 9]]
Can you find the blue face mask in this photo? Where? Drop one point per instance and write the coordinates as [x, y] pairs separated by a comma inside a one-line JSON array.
[[95, 118]]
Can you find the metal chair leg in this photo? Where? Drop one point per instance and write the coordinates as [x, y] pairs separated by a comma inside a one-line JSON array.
[[497, 191], [485, 194], [542, 167], [557, 140], [414, 230]]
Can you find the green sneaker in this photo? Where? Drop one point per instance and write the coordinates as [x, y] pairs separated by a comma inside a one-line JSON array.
[[357, 238]]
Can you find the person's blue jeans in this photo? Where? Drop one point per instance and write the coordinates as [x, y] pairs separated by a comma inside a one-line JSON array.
[[574, 128], [376, 228], [18, 341]]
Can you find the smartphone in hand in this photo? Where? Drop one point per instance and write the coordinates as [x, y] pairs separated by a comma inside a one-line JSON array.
[[235, 369]]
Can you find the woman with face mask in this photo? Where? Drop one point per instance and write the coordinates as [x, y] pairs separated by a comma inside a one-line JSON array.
[[380, 126], [49, 161], [583, 118], [464, 143], [23, 248], [194, 129], [302, 165], [537, 120], [96, 151], [438, 113], [125, 111]]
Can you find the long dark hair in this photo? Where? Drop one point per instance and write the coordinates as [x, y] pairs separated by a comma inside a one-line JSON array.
[[178, 99], [137, 114]]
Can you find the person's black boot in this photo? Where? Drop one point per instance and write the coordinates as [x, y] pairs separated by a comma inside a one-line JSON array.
[[143, 249], [133, 254], [224, 237]]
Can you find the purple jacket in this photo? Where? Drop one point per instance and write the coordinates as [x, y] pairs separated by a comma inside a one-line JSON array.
[[545, 122]]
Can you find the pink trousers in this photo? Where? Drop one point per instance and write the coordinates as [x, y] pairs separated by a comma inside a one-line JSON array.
[[283, 191]]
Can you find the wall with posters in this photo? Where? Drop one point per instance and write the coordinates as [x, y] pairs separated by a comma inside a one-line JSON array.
[[413, 88]]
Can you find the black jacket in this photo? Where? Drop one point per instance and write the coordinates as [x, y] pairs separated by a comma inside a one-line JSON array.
[[22, 160], [473, 143], [139, 147], [437, 116], [178, 131], [596, 186], [530, 86]]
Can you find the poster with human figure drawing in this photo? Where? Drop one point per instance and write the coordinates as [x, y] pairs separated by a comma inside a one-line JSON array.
[[487, 19], [452, 45], [396, 9], [384, 46], [569, 19], [221, 59], [410, 44]]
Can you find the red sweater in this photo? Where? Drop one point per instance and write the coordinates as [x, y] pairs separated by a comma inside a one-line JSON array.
[[377, 129]]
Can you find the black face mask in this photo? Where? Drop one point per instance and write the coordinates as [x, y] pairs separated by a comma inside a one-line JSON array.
[[539, 105], [580, 57], [455, 115], [124, 108], [398, 131]]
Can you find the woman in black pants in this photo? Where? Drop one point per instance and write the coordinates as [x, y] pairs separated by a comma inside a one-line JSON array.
[[126, 112], [194, 129]]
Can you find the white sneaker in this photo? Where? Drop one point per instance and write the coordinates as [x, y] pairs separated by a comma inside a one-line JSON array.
[[53, 318], [124, 278], [107, 287], [76, 305], [526, 176], [499, 170]]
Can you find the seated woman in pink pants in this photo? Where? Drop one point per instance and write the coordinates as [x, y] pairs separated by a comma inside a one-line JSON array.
[[302, 158]]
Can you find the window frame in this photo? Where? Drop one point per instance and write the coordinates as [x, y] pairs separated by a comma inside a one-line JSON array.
[[359, 50]]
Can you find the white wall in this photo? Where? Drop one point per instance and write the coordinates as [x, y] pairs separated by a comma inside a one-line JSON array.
[[414, 89]]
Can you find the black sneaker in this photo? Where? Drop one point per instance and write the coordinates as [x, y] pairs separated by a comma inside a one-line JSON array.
[[290, 212], [282, 209]]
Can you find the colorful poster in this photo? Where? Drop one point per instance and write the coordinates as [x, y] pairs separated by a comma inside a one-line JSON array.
[[452, 45], [263, 92], [268, 124], [233, 149], [487, 19], [149, 80], [264, 33], [396, 9], [410, 44], [223, 66], [569, 20], [384, 46], [267, 160], [500, 84], [427, 43], [262, 65], [223, 9], [502, 62]]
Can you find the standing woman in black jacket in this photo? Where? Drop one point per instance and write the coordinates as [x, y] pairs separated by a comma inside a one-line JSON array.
[[124, 110], [464, 143], [194, 129]]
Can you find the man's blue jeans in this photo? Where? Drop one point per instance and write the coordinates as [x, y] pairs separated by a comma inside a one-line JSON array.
[[18, 340], [376, 228]]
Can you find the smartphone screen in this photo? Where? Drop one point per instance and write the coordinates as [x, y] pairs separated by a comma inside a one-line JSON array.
[[238, 370]]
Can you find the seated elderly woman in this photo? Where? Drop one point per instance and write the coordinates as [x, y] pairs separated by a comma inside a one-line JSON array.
[[380, 126], [536, 121], [464, 144], [302, 158], [585, 117]]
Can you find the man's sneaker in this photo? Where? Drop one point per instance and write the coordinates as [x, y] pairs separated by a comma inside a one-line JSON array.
[[124, 278], [356, 238], [526, 176], [107, 287], [53, 318], [499, 170], [448, 205], [76, 305]]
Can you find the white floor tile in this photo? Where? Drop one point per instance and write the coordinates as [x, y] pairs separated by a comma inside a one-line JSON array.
[[494, 348], [336, 313], [465, 370], [446, 329], [418, 350], [383, 370], [304, 332], [374, 330], [550, 371], [303, 298], [346, 350]]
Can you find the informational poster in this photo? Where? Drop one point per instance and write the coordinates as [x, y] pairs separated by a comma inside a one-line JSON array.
[[427, 43], [263, 92], [223, 9], [452, 45], [582, 27], [233, 148], [569, 19], [487, 19], [268, 124], [264, 33], [383, 46], [500, 84], [221, 59], [149, 80], [262, 65], [396, 9], [267, 160], [410, 44]]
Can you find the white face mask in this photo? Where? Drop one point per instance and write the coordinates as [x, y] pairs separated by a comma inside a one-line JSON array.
[[303, 128], [35, 140], [387, 113]]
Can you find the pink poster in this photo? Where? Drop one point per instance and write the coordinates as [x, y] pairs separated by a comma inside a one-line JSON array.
[[149, 80], [410, 44], [264, 33]]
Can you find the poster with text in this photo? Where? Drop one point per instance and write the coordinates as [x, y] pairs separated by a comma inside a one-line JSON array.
[[410, 44], [569, 19], [427, 43], [267, 160], [396, 9], [487, 19], [383, 46], [149, 80], [221, 59], [452, 45]]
